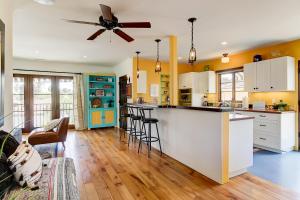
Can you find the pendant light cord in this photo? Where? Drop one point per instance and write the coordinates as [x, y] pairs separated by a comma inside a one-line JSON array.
[[192, 34], [157, 51]]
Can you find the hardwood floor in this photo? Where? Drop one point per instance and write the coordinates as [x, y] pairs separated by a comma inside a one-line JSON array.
[[107, 169]]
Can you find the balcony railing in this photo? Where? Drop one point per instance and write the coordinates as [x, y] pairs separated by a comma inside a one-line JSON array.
[[42, 113]]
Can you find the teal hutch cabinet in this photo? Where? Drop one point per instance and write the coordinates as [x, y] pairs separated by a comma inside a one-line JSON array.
[[101, 100]]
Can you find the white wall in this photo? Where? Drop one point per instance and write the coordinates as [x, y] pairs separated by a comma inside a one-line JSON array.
[[6, 12], [58, 66], [122, 69]]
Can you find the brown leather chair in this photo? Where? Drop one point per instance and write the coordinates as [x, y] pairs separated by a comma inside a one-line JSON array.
[[39, 136]]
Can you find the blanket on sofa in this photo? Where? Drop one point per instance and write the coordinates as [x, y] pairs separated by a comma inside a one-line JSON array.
[[58, 181]]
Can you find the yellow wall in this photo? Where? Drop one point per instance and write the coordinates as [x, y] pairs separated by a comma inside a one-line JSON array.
[[238, 60], [286, 49], [152, 77]]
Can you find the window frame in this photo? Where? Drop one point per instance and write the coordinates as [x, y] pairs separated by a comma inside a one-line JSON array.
[[232, 71], [28, 97]]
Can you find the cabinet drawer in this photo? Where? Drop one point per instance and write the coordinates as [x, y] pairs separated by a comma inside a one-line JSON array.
[[267, 117], [266, 140], [271, 128]]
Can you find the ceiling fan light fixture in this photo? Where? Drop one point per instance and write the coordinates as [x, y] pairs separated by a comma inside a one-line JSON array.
[[193, 52], [158, 63], [225, 59], [45, 2], [137, 65]]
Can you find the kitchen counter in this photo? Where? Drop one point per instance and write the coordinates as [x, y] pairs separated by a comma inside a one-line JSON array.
[[263, 111], [238, 117], [207, 139]]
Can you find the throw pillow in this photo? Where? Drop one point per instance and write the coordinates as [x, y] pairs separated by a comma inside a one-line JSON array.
[[6, 176], [10, 145], [26, 165], [51, 125]]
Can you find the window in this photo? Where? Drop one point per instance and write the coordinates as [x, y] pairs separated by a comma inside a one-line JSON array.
[[231, 86], [39, 99]]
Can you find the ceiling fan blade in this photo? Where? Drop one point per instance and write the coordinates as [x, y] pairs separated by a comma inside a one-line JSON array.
[[135, 25], [81, 22], [106, 12], [95, 35], [123, 35]]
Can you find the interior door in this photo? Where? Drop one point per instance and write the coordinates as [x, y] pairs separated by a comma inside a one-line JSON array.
[[263, 76], [122, 100]]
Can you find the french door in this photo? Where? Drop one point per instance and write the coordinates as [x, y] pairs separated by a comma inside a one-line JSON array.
[[39, 99]]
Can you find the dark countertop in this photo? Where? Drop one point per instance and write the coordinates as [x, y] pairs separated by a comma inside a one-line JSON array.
[[264, 111], [204, 108]]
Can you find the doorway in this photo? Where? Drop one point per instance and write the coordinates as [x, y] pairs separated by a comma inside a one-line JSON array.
[[122, 100], [37, 99]]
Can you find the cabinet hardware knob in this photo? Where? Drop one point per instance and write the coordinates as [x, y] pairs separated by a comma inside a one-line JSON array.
[[271, 87]]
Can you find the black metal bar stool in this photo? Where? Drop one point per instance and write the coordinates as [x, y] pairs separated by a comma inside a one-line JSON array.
[[148, 137], [136, 120], [124, 116]]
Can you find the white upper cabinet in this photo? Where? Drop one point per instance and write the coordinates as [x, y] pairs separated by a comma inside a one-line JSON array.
[[207, 82], [200, 82], [250, 77], [282, 74], [263, 76], [270, 75], [185, 81]]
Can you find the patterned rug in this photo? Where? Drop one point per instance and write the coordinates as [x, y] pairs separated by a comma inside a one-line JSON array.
[[47, 150]]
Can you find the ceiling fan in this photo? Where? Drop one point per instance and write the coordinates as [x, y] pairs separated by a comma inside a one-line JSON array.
[[111, 22]]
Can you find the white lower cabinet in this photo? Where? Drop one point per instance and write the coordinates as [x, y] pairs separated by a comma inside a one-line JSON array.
[[273, 132]]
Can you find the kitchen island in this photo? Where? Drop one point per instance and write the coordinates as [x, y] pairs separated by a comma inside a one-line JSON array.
[[207, 139]]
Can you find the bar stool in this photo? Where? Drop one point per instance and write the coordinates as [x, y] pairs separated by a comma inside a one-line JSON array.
[[136, 120], [124, 115], [147, 137]]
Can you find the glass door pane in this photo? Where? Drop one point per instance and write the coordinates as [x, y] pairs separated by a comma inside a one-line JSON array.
[[18, 102], [42, 101], [66, 99]]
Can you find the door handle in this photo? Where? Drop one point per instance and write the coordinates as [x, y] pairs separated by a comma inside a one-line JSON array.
[[263, 125], [262, 115], [262, 138]]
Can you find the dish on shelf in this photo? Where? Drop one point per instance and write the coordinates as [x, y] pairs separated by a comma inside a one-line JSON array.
[[96, 103]]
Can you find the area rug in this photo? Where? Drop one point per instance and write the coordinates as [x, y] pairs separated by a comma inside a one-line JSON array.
[[47, 150]]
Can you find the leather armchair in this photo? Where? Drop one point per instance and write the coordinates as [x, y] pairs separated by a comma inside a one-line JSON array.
[[39, 136]]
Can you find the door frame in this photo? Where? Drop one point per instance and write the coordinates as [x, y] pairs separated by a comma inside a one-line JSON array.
[[28, 98], [122, 124]]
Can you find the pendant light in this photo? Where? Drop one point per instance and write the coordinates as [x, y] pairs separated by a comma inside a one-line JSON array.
[[225, 59], [158, 63], [137, 64], [192, 54], [45, 2]]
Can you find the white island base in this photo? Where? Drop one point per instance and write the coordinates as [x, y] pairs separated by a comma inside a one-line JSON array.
[[207, 141]]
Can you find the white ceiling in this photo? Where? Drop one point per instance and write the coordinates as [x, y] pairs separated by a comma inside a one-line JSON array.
[[39, 32]]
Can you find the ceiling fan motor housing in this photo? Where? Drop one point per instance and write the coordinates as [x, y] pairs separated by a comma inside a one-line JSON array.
[[109, 25]]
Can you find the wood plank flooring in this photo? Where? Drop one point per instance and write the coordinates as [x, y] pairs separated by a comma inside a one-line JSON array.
[[107, 169]]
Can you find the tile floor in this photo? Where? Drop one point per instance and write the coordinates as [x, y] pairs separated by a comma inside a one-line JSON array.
[[281, 169]]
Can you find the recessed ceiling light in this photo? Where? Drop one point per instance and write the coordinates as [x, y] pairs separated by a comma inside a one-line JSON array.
[[37, 51], [84, 56], [45, 2], [224, 43]]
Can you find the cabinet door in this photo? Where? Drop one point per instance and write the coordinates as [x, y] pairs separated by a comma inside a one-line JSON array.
[[109, 117], [185, 81], [250, 77], [278, 76], [263, 76], [96, 118]]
